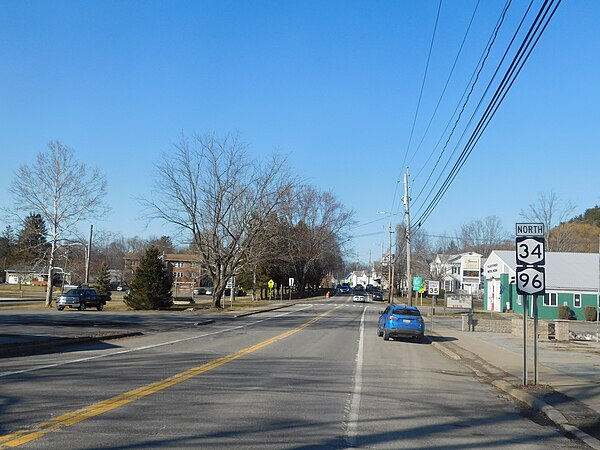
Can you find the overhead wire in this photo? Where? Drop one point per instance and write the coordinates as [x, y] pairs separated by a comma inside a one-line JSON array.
[[472, 82], [529, 43], [437, 17], [444, 91], [480, 102]]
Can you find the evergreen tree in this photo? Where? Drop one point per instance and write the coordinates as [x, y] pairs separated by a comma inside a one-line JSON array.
[[151, 287], [32, 242], [102, 284], [7, 248]]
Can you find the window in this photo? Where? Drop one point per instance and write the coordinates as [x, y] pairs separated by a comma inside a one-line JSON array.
[[193, 275], [178, 274], [550, 299], [577, 300], [178, 264]]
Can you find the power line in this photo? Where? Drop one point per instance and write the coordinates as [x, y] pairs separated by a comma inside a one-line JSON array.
[[530, 41], [437, 17], [472, 82], [444, 91]]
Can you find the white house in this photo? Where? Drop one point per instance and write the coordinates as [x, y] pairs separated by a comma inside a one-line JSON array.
[[458, 272], [363, 277]]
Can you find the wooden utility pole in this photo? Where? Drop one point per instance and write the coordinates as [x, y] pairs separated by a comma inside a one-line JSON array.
[[406, 199], [390, 284]]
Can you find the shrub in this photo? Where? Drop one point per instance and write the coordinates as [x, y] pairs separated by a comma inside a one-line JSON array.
[[590, 314], [564, 312]]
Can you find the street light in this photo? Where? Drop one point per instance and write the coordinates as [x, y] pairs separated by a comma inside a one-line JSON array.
[[87, 257], [390, 273]]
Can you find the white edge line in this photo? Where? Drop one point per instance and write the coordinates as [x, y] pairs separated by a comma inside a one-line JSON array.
[[146, 347], [352, 429]]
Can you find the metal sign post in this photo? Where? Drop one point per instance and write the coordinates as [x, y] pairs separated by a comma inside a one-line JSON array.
[[433, 288], [525, 304], [531, 280]]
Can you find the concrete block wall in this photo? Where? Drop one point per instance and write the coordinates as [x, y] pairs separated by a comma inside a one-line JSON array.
[[546, 328], [487, 325]]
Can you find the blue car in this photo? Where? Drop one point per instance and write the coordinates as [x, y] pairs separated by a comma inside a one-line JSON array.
[[401, 321]]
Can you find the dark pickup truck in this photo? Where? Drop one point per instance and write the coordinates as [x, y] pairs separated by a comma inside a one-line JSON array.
[[81, 298]]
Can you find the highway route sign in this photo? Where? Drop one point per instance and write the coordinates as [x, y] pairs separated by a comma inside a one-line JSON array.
[[530, 251], [531, 280]]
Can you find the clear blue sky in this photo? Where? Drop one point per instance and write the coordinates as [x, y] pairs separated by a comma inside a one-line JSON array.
[[333, 85]]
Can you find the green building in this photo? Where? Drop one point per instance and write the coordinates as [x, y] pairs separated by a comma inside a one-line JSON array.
[[571, 280]]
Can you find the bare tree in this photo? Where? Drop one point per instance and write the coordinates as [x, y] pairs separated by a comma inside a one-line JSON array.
[[551, 211], [63, 191], [483, 236], [218, 198], [313, 226], [420, 253]]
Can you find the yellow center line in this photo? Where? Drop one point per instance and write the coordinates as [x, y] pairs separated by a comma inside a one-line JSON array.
[[71, 418]]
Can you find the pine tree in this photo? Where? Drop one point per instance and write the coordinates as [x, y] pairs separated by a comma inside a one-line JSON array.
[[102, 284], [32, 241], [7, 248], [151, 287]]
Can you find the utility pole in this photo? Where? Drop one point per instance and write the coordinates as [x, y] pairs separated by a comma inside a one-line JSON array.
[[407, 214], [89, 256], [370, 271], [390, 284]]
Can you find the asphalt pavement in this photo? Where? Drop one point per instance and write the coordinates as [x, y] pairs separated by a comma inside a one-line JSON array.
[[567, 393]]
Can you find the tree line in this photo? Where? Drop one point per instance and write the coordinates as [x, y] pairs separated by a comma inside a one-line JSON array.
[[242, 217]]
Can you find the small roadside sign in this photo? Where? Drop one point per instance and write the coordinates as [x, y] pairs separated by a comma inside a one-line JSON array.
[[291, 282], [271, 284], [433, 287], [417, 282]]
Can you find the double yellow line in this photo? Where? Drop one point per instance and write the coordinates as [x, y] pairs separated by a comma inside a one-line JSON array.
[[69, 419]]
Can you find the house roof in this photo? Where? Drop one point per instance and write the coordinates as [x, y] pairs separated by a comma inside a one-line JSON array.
[[563, 270], [168, 257], [23, 268]]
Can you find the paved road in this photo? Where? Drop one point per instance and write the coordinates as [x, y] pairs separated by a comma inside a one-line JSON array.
[[310, 376]]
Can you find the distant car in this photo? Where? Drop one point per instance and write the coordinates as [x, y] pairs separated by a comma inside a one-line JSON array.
[[209, 291], [377, 296], [122, 287], [238, 293], [401, 321], [369, 288], [344, 288], [199, 291], [359, 296], [359, 287]]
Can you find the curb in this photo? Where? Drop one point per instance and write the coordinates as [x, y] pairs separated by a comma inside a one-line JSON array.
[[449, 353], [34, 348], [549, 411], [553, 414]]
